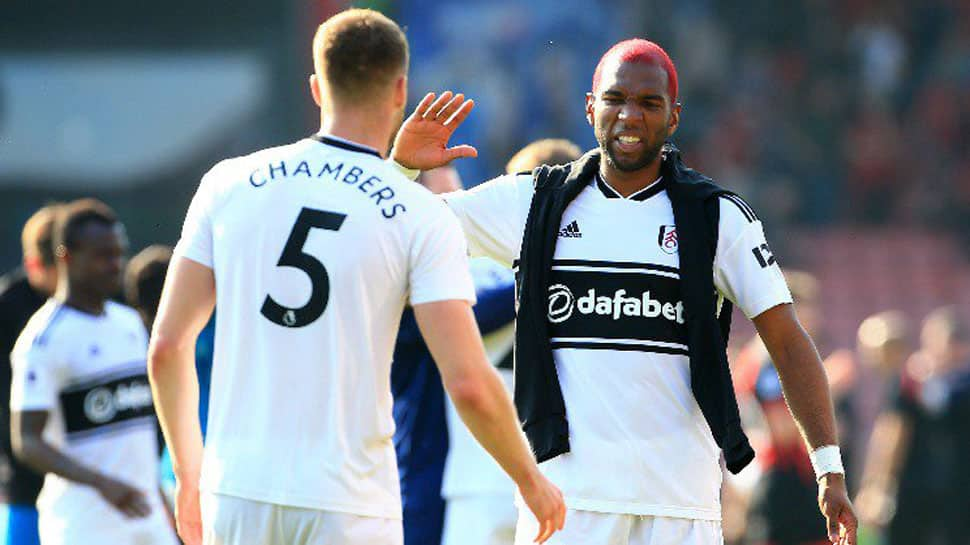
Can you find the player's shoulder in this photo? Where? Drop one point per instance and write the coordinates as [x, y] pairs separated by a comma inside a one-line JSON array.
[[735, 212], [44, 328], [239, 168]]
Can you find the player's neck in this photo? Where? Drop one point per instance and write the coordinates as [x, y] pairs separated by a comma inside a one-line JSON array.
[[366, 129], [628, 183], [85, 302]]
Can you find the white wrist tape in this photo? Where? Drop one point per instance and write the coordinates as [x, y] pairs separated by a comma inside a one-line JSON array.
[[410, 173], [827, 459]]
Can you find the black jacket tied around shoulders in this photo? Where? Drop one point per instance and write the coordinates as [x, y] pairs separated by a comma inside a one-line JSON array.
[[538, 396]]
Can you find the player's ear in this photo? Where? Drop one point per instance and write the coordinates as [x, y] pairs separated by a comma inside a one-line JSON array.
[[315, 89], [674, 120], [401, 92], [590, 100]]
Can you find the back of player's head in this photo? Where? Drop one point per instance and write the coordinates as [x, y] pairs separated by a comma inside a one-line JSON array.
[[145, 277], [359, 54], [37, 236], [548, 151], [74, 216], [638, 50]]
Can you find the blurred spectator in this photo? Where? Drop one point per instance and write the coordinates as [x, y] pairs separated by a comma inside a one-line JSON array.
[[548, 151], [882, 347], [22, 292], [144, 279], [917, 483]]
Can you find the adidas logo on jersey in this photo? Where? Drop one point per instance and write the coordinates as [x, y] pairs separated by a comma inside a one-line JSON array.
[[571, 231]]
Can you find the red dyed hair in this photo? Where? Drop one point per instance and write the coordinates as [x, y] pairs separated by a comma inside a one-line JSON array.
[[643, 51]]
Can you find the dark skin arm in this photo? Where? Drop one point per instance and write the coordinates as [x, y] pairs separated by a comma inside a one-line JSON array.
[[807, 394], [29, 446]]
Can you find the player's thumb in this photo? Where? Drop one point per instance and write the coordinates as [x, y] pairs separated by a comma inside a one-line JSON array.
[[460, 152]]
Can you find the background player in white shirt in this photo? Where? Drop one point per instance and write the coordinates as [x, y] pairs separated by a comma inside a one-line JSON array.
[[80, 400], [299, 448], [643, 465]]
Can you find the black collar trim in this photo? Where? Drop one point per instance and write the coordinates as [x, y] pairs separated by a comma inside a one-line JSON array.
[[345, 144], [640, 196]]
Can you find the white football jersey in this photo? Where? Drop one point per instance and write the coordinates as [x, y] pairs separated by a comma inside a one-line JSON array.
[[316, 248], [639, 442], [88, 372]]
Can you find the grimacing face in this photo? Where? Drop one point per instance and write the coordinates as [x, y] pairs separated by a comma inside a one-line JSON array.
[[631, 113]]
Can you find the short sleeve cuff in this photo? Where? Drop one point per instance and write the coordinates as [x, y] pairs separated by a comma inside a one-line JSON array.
[[429, 296], [182, 249], [760, 306]]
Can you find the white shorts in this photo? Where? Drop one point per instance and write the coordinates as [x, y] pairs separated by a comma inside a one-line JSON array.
[[153, 530], [479, 520], [592, 528], [229, 520]]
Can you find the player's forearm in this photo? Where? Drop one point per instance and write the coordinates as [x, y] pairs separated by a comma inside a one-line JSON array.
[[175, 390], [43, 458], [487, 411], [806, 388]]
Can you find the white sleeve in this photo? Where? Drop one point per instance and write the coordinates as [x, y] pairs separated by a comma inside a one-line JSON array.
[[439, 261], [35, 382], [196, 240], [491, 216], [745, 270]]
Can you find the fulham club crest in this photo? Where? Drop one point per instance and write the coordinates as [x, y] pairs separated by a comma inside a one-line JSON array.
[[667, 239]]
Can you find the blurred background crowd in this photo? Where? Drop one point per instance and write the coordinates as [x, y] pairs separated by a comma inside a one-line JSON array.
[[846, 125]]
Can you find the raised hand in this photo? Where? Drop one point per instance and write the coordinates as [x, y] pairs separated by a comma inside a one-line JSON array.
[[422, 142]]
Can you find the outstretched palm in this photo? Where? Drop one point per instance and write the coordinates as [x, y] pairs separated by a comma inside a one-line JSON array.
[[422, 142]]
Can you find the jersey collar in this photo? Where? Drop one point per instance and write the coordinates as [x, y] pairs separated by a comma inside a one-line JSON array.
[[656, 187], [341, 143]]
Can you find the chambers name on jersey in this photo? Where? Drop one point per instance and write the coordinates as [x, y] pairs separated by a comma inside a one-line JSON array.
[[316, 248], [639, 442]]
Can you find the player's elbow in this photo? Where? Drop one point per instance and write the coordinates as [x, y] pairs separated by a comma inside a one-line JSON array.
[[470, 393], [162, 351]]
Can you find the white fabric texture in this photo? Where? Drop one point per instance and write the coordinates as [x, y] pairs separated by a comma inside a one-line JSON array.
[[228, 520], [591, 528]]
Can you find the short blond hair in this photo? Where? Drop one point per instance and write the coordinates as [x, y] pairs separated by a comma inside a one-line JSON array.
[[548, 151], [359, 53], [37, 235]]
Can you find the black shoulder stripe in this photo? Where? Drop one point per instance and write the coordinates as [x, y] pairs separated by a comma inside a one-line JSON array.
[[743, 206]]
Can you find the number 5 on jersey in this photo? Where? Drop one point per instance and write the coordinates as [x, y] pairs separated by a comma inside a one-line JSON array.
[[294, 256]]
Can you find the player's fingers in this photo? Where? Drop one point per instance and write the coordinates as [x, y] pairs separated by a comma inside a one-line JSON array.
[[850, 526], [832, 523], [422, 108], [437, 105], [460, 152], [461, 114], [562, 513], [545, 530], [450, 108]]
